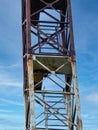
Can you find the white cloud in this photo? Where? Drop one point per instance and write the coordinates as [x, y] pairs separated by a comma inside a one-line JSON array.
[[8, 78], [10, 83], [92, 97], [11, 102], [11, 116], [5, 111], [12, 66]]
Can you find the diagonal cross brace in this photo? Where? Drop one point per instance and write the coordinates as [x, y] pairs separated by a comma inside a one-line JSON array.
[[52, 72]]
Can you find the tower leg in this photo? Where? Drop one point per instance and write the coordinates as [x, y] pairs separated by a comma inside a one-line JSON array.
[[31, 92], [69, 101], [76, 89]]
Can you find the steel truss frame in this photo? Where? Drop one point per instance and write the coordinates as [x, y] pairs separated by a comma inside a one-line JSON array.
[[49, 67]]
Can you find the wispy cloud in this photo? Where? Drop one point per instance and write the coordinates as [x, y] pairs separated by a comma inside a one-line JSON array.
[[11, 102], [10, 83], [92, 97], [8, 77], [12, 66], [10, 124], [6, 111]]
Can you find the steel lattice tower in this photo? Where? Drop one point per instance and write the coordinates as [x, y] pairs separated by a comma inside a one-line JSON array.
[[49, 66]]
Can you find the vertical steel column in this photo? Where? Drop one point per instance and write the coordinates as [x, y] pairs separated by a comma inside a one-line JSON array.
[[74, 73], [31, 92], [72, 49], [28, 25], [30, 68], [69, 102], [45, 113], [24, 82], [76, 89]]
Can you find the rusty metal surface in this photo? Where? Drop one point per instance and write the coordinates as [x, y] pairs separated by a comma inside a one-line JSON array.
[[31, 114], [53, 63], [76, 89], [41, 4], [49, 66]]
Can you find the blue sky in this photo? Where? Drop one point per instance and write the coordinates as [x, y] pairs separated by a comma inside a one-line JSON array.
[[85, 23]]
